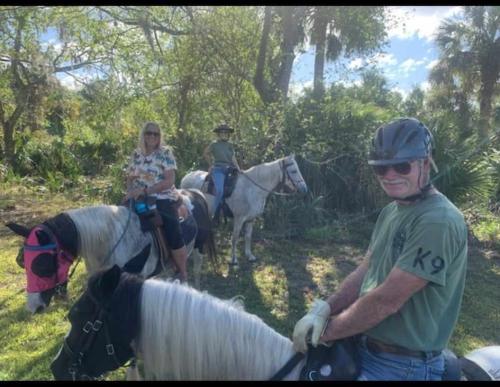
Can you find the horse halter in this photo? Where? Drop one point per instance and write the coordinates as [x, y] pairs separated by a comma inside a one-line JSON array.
[[90, 331], [286, 175]]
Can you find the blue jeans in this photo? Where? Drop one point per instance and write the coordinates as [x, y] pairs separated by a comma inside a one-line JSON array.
[[219, 175], [389, 366]]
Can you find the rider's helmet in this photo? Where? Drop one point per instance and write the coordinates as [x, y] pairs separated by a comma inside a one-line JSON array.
[[223, 128], [405, 139]]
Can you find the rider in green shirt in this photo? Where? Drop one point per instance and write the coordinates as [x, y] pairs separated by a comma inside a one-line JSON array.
[[220, 156], [403, 300]]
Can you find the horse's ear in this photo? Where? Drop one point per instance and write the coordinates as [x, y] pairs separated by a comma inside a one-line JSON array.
[[107, 282], [18, 229], [43, 237]]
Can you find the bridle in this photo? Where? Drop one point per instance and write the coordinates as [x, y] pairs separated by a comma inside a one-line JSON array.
[[282, 184], [285, 174], [90, 331]]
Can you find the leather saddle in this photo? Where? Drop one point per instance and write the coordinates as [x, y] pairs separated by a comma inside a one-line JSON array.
[[151, 218], [341, 361], [229, 182]]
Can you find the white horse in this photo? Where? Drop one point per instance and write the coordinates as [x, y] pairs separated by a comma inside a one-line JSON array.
[[104, 235], [251, 190], [179, 333]]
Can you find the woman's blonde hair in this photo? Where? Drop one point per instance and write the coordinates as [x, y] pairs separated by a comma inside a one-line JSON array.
[[151, 126]]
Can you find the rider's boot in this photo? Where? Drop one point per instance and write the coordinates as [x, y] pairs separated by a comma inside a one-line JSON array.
[[180, 259], [216, 218]]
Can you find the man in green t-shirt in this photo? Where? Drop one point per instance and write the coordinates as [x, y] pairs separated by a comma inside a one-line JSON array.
[[220, 156], [403, 300]]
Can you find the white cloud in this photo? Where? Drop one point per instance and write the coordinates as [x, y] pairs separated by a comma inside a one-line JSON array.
[[422, 21], [355, 64], [350, 82], [431, 64], [401, 91], [296, 89], [410, 65], [70, 82], [425, 86], [384, 59]]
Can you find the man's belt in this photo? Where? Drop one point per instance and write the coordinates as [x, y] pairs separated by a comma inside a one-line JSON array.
[[378, 346]]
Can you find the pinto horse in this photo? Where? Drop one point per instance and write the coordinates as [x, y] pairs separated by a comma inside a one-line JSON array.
[[179, 333], [251, 190], [104, 235]]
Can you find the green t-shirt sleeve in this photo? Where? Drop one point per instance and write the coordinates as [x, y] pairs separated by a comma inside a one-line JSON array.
[[376, 228], [428, 252]]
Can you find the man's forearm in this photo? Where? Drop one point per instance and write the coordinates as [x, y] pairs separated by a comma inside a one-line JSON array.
[[362, 315], [348, 291], [375, 306]]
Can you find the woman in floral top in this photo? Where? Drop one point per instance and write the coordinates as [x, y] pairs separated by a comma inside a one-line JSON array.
[[151, 172]]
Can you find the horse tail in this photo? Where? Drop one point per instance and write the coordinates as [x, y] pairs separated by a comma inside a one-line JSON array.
[[206, 234]]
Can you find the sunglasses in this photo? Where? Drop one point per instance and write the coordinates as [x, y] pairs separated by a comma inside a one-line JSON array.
[[401, 168], [156, 134]]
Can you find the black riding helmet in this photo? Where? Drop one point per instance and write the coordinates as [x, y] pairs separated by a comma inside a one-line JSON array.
[[404, 139]]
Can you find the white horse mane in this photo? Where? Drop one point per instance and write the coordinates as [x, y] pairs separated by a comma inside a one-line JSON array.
[[99, 228], [188, 335]]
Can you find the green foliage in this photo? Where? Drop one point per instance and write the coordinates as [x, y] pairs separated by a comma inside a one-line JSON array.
[[466, 171], [47, 156], [333, 135], [288, 217]]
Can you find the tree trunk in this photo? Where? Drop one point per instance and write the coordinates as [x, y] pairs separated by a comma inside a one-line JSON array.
[[259, 81], [292, 18], [486, 96], [320, 24], [8, 141]]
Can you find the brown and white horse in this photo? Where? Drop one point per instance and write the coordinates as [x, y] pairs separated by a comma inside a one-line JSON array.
[[103, 236]]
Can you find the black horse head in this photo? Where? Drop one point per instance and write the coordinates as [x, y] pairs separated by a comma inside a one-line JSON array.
[[104, 321]]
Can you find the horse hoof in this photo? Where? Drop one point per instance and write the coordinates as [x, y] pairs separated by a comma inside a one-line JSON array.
[[252, 260], [233, 264]]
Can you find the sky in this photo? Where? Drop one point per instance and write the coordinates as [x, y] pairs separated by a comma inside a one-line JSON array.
[[410, 55]]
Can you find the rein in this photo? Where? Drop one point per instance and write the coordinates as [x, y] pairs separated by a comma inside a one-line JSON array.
[[283, 168], [289, 366]]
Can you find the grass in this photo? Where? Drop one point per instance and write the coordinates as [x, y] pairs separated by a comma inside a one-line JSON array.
[[279, 288]]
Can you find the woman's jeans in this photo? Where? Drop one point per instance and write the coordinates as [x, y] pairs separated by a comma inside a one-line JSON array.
[[219, 175], [389, 366]]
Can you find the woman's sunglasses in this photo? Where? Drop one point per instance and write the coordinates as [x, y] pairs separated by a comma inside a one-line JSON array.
[[401, 168], [156, 134]]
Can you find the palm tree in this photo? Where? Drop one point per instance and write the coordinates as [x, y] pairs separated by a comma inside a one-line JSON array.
[[347, 30], [470, 51]]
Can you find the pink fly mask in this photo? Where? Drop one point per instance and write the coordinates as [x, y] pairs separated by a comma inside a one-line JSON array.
[[45, 262]]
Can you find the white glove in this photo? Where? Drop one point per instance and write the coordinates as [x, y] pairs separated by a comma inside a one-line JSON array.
[[316, 320]]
